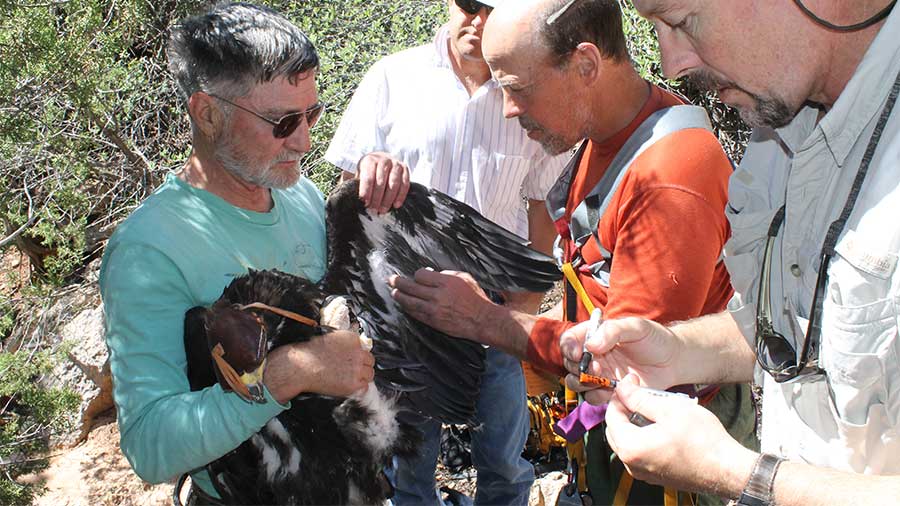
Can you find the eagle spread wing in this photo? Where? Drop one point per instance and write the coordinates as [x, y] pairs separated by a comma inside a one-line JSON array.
[[437, 375]]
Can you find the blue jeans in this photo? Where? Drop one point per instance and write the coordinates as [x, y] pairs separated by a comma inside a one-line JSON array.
[[504, 477]]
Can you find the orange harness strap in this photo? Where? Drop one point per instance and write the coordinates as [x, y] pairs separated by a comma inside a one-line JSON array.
[[282, 312]]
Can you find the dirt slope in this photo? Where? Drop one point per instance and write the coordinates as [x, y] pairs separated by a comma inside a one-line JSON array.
[[96, 473]]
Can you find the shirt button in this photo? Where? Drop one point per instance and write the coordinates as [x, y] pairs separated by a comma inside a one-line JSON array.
[[795, 270]]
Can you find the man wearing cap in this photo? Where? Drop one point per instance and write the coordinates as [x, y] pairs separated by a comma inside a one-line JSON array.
[[436, 109]]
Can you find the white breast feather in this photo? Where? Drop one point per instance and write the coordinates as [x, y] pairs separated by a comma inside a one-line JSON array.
[[381, 431]]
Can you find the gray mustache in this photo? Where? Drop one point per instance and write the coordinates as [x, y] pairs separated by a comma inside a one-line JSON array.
[[528, 123], [706, 81]]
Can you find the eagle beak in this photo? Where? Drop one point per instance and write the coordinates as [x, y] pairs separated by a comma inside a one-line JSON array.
[[248, 386], [255, 387]]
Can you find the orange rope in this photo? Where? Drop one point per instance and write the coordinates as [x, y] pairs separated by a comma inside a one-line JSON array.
[[282, 312], [231, 376]]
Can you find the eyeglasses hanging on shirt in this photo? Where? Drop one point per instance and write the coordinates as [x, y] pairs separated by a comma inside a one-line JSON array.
[[775, 354]]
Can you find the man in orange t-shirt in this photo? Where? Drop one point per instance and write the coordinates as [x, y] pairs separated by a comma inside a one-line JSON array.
[[664, 227], [566, 75]]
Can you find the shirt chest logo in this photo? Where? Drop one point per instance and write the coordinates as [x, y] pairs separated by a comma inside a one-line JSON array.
[[877, 263]]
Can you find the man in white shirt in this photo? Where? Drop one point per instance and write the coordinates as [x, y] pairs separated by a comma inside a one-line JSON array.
[[813, 260], [436, 109]]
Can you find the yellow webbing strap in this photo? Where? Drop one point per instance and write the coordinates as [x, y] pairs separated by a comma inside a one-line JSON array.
[[624, 489], [569, 272], [576, 450], [670, 497]]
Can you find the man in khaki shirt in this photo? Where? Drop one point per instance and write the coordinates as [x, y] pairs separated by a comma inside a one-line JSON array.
[[818, 81]]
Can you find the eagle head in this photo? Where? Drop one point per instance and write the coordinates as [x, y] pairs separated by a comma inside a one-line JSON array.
[[237, 342]]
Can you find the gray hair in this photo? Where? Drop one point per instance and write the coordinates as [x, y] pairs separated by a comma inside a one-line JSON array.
[[235, 46], [563, 24]]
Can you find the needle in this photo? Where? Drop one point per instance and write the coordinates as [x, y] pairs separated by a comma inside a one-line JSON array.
[[586, 356], [603, 382]]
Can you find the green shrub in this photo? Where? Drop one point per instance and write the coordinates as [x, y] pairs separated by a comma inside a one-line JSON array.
[[29, 413], [7, 318]]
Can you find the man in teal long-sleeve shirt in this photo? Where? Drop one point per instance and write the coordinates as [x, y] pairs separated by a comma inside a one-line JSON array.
[[248, 77]]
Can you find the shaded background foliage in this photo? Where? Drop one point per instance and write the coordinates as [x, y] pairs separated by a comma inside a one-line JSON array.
[[90, 123]]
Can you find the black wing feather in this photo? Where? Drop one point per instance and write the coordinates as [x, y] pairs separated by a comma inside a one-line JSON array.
[[498, 259], [436, 374]]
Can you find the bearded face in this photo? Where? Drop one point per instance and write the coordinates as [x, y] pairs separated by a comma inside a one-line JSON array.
[[763, 111], [553, 143], [281, 171]]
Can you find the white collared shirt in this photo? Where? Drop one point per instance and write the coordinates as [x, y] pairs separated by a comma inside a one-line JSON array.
[[412, 105], [847, 419]]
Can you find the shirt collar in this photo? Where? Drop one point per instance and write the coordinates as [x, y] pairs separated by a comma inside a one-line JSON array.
[[859, 102], [441, 58], [441, 49]]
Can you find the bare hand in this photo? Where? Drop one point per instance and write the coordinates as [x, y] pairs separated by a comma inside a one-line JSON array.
[[629, 345], [383, 182], [334, 364], [686, 448], [450, 301]]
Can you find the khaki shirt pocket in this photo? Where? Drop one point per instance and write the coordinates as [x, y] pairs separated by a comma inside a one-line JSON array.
[[858, 337]]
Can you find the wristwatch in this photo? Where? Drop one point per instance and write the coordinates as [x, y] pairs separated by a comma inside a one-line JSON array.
[[758, 491]]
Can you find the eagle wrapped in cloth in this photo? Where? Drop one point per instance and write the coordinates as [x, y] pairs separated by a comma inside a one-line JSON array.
[[326, 450]]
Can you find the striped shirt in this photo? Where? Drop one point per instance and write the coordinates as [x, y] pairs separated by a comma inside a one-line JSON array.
[[412, 105]]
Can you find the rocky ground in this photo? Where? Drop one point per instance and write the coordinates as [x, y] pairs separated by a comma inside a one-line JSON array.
[[95, 473]]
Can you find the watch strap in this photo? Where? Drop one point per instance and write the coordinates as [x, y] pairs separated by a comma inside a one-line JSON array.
[[758, 491]]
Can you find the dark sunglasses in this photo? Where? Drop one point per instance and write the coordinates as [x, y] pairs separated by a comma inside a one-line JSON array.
[[472, 6], [285, 125], [774, 353]]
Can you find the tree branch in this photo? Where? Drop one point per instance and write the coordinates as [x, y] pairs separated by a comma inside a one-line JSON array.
[[12, 237], [133, 156], [33, 217]]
